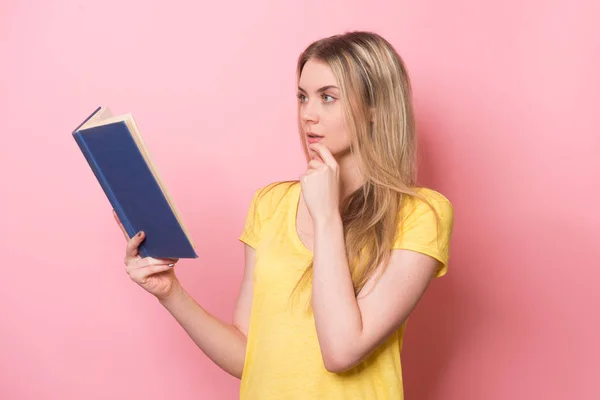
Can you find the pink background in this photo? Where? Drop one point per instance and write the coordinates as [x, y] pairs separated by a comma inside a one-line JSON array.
[[506, 95]]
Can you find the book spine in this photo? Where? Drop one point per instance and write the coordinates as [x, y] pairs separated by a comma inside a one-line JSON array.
[[106, 188]]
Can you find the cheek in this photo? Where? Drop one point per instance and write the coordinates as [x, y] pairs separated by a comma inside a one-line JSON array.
[[338, 136], [334, 122], [341, 128]]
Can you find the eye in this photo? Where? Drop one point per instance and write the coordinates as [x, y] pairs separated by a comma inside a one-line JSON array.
[[301, 97], [328, 98]]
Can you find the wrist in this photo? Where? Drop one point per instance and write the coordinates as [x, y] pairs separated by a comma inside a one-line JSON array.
[[176, 293], [327, 222]]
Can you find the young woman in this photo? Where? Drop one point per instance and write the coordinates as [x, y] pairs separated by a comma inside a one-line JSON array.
[[337, 260]]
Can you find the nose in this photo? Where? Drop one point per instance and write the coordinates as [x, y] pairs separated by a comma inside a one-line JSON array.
[[309, 113]]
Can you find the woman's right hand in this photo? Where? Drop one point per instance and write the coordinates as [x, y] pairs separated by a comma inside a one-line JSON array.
[[155, 275]]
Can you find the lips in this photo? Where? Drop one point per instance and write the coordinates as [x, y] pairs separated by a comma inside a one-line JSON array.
[[312, 138]]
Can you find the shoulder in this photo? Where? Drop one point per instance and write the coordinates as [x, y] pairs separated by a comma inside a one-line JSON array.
[[274, 191], [269, 197], [433, 195], [429, 199], [268, 203], [430, 210], [426, 226]]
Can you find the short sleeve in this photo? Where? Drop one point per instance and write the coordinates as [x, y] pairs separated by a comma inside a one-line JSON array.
[[251, 232], [420, 231]]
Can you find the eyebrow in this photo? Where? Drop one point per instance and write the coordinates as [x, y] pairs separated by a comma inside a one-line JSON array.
[[321, 90]]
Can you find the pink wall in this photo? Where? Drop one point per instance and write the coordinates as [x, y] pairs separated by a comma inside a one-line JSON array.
[[507, 101]]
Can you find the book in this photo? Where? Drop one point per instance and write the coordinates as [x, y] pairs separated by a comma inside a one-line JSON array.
[[117, 155]]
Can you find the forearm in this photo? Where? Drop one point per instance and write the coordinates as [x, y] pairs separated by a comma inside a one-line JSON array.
[[337, 315], [223, 343]]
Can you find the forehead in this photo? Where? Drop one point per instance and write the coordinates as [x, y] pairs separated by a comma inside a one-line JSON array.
[[315, 75]]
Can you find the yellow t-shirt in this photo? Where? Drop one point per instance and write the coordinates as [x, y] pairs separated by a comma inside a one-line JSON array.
[[283, 358]]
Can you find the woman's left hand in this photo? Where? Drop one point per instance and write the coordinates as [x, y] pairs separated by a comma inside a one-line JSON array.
[[321, 184]]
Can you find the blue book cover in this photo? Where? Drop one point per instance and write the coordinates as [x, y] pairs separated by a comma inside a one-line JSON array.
[[120, 161]]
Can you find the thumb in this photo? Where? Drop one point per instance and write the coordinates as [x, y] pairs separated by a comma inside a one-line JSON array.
[[134, 242]]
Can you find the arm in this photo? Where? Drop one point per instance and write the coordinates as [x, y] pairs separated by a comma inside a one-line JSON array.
[[223, 343], [350, 328]]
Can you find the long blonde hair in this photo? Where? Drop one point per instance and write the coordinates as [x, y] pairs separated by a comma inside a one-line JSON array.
[[376, 92]]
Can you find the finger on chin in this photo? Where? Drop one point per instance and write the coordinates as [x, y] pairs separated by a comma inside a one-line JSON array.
[[316, 157], [323, 153]]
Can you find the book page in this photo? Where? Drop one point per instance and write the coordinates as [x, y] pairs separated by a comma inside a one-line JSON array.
[[98, 119]]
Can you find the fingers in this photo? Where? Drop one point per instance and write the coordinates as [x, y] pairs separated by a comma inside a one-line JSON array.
[[314, 164], [141, 274], [133, 244], [323, 152], [146, 266], [315, 156], [149, 262], [121, 226]]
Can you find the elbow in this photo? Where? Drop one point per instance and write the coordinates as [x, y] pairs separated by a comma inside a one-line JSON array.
[[338, 361], [337, 367]]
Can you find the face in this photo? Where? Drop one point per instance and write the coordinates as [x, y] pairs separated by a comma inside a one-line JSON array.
[[321, 111]]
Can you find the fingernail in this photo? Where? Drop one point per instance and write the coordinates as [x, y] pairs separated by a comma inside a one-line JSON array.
[[171, 265], [139, 234]]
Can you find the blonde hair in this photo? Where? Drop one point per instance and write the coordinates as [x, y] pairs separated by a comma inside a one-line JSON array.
[[376, 93]]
